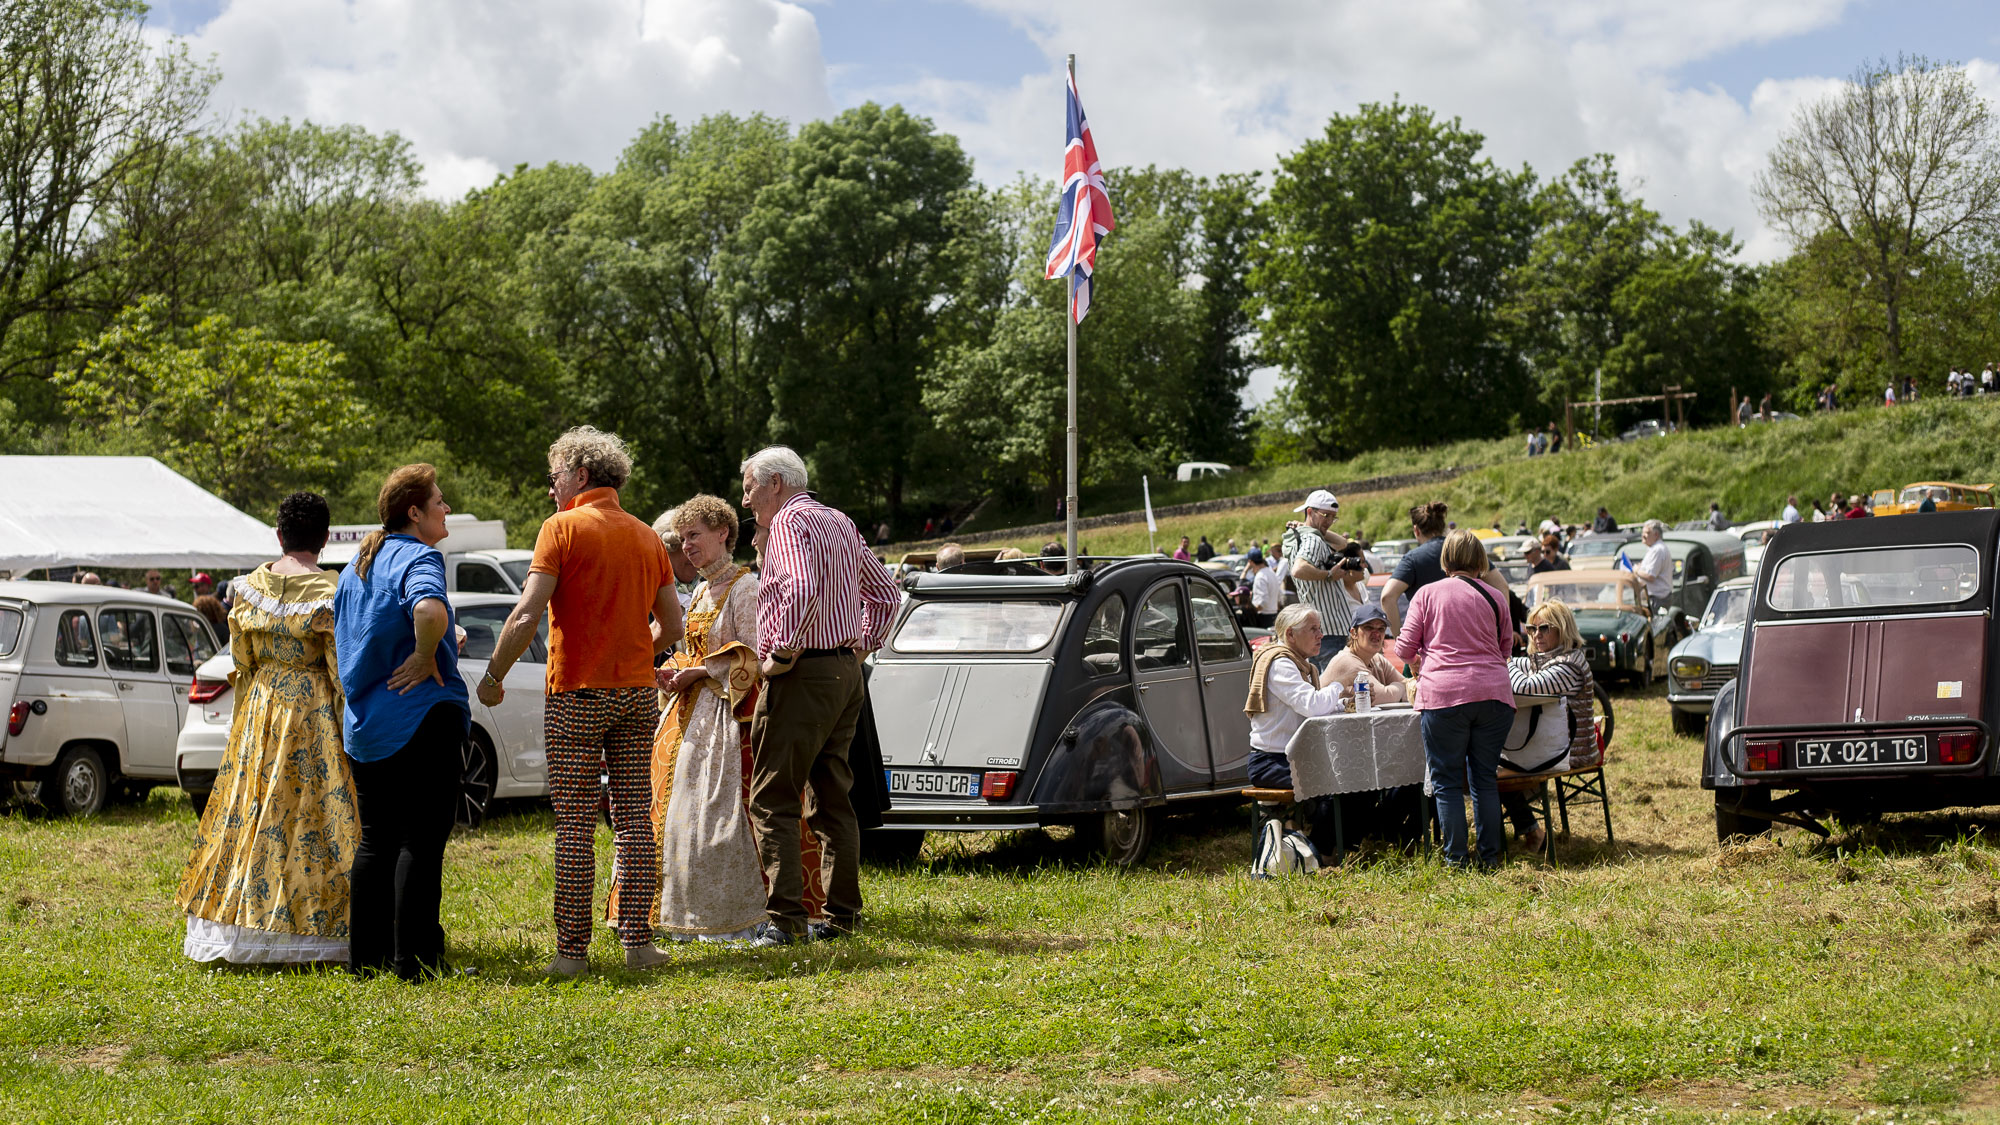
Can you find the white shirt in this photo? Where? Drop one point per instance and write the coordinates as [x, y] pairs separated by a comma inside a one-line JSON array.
[[1657, 568], [1791, 515], [1282, 568], [1288, 702], [1819, 516], [1266, 592]]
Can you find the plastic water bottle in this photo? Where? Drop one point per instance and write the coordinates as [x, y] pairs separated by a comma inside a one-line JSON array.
[[1362, 698]]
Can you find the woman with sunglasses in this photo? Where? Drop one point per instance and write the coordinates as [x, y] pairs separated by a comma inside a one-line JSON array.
[[1556, 664]]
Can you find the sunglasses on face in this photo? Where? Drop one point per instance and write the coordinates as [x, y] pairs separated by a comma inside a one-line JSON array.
[[1536, 629]]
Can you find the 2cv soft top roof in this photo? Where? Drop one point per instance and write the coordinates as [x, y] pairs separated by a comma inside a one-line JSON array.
[[1976, 529]]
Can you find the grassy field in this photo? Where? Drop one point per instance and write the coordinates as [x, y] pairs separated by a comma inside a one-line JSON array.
[[1002, 979], [1749, 471]]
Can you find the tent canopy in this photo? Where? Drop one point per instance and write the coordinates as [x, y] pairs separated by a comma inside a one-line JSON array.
[[119, 512]]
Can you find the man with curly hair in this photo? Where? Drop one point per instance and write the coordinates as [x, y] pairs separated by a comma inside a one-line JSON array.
[[600, 573]]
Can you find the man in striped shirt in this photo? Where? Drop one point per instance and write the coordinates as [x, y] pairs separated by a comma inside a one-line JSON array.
[[823, 601], [1324, 579]]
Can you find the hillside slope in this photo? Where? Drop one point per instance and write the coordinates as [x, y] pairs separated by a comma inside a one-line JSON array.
[[1750, 471]]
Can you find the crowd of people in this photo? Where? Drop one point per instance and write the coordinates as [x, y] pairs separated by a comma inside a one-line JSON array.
[[723, 724]]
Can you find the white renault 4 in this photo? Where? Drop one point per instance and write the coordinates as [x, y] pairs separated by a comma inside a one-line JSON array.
[[95, 682]]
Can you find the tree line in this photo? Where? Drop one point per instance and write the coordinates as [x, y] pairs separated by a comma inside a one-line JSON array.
[[268, 305]]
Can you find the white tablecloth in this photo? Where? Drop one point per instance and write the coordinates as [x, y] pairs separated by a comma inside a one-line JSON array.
[[1357, 753]]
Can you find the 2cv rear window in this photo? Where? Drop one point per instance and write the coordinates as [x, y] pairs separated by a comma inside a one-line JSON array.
[[11, 620], [1941, 574], [968, 626]]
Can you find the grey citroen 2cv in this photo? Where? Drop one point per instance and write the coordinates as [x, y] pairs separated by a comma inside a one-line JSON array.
[[1867, 680], [1008, 698]]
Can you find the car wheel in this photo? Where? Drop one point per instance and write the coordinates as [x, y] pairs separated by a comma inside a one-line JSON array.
[[1122, 837], [1604, 709], [892, 847], [78, 784], [1690, 722], [1646, 677], [475, 781], [1729, 822]]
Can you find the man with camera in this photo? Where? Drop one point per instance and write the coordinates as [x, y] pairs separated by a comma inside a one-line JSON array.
[[1327, 570]]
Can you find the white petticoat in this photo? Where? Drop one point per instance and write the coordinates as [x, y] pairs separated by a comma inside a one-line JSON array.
[[241, 945]]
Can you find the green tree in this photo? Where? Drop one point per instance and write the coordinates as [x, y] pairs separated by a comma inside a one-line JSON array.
[[245, 416], [1232, 221], [1391, 244]]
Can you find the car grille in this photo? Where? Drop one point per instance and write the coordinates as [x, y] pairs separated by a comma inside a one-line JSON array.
[[1718, 674]]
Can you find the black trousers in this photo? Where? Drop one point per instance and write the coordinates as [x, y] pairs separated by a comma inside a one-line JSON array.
[[405, 803]]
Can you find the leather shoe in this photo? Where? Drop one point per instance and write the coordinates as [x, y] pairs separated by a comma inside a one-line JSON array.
[[826, 931], [568, 968], [647, 956], [771, 934]]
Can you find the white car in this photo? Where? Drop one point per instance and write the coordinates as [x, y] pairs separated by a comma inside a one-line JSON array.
[[1754, 536], [504, 754], [94, 682]]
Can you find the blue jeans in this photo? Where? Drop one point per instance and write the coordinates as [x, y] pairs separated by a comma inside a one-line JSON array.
[[1462, 740]]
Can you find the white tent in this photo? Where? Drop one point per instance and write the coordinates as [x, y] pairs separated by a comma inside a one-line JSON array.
[[119, 512]]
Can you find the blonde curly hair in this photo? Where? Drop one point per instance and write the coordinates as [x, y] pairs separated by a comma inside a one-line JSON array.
[[712, 512], [603, 456]]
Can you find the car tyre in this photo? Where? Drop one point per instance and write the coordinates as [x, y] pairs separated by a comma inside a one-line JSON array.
[[477, 775], [78, 784], [892, 847], [1729, 822], [1604, 709], [1121, 837], [1692, 723]]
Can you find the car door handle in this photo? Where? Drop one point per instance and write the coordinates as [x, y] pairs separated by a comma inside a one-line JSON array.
[[1142, 688], [1208, 679], [123, 686]]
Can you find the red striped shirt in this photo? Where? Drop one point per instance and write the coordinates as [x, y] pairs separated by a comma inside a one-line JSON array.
[[820, 587]]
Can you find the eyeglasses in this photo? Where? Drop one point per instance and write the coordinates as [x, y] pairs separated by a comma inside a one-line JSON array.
[[1534, 629]]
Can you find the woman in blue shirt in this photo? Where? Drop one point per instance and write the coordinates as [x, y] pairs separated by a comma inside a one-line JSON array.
[[407, 716]]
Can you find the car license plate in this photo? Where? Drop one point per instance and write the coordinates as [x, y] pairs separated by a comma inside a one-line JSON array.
[[932, 783], [1847, 753]]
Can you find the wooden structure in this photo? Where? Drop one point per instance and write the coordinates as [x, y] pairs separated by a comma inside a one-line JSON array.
[[1671, 400]]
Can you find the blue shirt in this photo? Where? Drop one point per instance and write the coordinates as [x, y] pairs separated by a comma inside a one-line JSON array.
[[374, 631], [1421, 566]]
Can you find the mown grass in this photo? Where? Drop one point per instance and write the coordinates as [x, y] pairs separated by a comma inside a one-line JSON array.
[[1004, 979], [1749, 471]]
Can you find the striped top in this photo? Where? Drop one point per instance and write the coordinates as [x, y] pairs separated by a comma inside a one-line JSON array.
[[820, 587], [1336, 616]]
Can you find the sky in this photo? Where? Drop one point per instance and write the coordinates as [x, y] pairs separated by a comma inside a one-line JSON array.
[[1687, 95]]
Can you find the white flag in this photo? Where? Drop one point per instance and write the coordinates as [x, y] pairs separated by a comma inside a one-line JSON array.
[[1151, 527]]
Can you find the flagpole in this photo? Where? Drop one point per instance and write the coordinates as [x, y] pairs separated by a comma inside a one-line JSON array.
[[1069, 505]]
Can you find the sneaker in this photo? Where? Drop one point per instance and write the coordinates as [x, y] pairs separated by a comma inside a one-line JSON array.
[[648, 956], [770, 934], [568, 968]]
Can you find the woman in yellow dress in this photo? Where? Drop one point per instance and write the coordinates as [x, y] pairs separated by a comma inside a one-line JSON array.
[[268, 880]]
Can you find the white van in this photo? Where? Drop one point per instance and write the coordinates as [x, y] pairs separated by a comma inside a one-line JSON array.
[[95, 681], [477, 559], [1199, 470]]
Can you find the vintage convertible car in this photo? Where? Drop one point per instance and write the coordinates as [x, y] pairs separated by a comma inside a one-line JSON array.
[[1703, 560], [1006, 698], [1619, 634], [1705, 660], [1868, 683]]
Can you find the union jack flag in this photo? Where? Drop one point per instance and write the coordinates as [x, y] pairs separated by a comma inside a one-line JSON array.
[[1085, 215]]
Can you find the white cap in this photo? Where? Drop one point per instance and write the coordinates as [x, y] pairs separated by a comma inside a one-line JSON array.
[[1321, 499]]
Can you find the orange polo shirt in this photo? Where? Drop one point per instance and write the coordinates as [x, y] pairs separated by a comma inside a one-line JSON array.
[[609, 568]]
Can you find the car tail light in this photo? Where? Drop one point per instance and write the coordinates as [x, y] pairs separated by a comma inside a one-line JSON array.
[[1958, 748], [201, 691], [17, 716], [997, 785], [1764, 755]]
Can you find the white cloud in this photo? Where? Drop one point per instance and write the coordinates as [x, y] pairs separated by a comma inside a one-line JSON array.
[[478, 86]]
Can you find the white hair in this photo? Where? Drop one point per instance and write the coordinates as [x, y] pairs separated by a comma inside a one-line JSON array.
[[1655, 525], [777, 461], [664, 528]]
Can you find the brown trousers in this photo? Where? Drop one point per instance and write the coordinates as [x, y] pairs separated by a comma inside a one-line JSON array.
[[798, 745]]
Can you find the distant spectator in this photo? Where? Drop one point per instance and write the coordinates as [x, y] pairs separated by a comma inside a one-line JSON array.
[[1856, 509], [210, 607], [1764, 407], [1986, 380], [1231, 548], [1909, 389], [1265, 595], [1010, 554], [945, 525], [202, 584], [1791, 512], [90, 578], [1819, 512], [1555, 439], [1204, 550], [1053, 558], [1929, 504], [1281, 569], [1743, 411], [1552, 552], [882, 533], [1657, 567], [1716, 520], [1182, 553], [1603, 522], [1421, 566], [950, 557], [930, 528], [155, 584], [1889, 395]]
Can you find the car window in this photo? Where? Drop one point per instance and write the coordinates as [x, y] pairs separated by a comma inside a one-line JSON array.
[[11, 620], [76, 644], [1103, 639], [1727, 607], [479, 578], [517, 569], [482, 625], [1214, 629], [129, 643], [188, 644], [1891, 576], [955, 626], [1159, 636], [1584, 593]]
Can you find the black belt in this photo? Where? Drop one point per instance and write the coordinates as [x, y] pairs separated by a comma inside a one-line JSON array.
[[843, 650]]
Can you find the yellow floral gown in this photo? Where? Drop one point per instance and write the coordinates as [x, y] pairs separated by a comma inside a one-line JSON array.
[[268, 880]]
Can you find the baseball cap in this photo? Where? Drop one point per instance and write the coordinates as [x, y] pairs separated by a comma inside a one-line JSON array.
[[1254, 554], [1369, 614], [1322, 499], [202, 577]]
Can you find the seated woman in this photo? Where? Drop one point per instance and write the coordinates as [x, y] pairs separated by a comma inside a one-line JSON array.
[[1285, 691], [1556, 664], [1364, 654]]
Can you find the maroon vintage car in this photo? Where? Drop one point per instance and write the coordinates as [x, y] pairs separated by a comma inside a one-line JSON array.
[[1868, 680]]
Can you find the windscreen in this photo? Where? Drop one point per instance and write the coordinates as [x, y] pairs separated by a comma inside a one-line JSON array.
[[1889, 576], [517, 569], [1595, 548], [969, 626], [1586, 594], [1726, 608]]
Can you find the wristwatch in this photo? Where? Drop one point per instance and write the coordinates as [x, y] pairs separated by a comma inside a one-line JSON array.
[[488, 679]]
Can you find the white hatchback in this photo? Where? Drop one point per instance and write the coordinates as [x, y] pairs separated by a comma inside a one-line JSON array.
[[504, 752]]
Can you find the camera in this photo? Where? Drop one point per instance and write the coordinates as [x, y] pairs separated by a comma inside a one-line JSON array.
[[1350, 558]]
